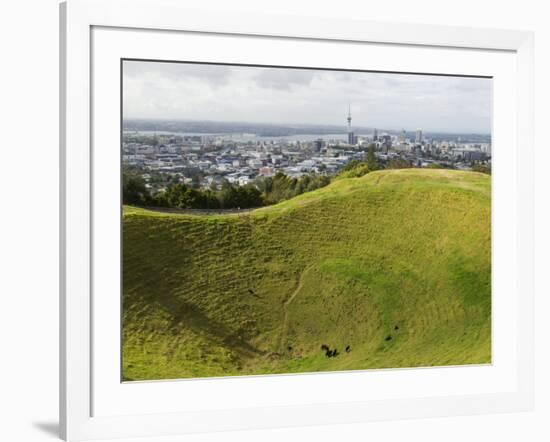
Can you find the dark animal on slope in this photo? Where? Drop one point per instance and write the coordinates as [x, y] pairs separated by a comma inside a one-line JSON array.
[[348, 349], [253, 293], [289, 348], [396, 327], [324, 347], [388, 338]]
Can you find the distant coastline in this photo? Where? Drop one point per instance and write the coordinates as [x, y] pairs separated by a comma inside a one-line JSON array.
[[266, 131]]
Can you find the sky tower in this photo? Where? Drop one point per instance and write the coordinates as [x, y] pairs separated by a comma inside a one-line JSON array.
[[351, 137]]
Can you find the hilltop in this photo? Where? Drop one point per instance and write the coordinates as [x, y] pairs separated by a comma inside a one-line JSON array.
[[395, 265]]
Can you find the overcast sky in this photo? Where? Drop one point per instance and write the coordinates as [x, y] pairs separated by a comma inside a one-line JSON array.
[[301, 96]]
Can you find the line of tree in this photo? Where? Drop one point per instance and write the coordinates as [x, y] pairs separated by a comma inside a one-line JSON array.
[[482, 168], [263, 191], [356, 168], [282, 187]]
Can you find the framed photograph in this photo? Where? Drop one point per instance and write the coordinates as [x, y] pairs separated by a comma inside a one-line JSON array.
[[285, 221]]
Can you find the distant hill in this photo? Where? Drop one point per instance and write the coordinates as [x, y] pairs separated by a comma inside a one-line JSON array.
[[279, 130], [395, 265]]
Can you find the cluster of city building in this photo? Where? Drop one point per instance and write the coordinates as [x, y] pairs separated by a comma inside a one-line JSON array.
[[208, 160]]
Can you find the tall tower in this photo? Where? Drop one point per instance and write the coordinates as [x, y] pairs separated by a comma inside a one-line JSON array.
[[351, 137]]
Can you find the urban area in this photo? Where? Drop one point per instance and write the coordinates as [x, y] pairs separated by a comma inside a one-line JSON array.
[[208, 160]]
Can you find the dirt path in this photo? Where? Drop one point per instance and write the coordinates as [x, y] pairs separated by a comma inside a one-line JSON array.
[[284, 329]]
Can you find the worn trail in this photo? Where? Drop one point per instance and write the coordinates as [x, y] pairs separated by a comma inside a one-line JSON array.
[[284, 328]]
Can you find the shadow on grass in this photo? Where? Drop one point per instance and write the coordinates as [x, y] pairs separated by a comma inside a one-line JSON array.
[[191, 316]]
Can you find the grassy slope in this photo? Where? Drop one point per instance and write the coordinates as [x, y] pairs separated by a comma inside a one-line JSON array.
[[400, 253]]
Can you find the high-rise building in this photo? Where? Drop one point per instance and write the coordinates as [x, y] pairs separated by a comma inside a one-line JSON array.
[[375, 135], [318, 144], [418, 138], [351, 136]]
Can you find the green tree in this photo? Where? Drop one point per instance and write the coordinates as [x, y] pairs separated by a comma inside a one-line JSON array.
[[482, 168], [398, 163], [372, 161], [134, 190], [228, 196], [356, 169], [183, 197], [351, 165], [250, 197], [435, 166], [210, 199], [281, 187]]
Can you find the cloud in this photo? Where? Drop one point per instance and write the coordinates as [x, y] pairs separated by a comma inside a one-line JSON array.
[[301, 96], [215, 75], [283, 79]]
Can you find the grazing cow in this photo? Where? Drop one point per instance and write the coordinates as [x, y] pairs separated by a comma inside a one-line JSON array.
[[289, 348], [388, 338], [396, 327], [328, 352], [348, 349]]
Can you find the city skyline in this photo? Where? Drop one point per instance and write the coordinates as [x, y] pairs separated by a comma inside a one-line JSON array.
[[286, 96]]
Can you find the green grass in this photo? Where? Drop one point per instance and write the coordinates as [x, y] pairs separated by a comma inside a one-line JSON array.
[[405, 248]]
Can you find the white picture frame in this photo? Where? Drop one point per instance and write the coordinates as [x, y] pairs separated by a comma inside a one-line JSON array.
[[80, 378]]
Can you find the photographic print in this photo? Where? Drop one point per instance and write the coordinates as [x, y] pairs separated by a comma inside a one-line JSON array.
[[281, 220]]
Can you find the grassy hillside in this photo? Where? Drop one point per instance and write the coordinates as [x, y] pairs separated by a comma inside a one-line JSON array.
[[396, 265]]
